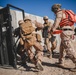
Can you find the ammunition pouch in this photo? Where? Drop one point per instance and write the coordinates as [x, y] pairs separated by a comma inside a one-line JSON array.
[[30, 39], [26, 34]]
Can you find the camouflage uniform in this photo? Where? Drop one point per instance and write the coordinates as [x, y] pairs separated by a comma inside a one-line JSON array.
[[67, 43], [48, 37], [66, 36], [20, 48], [29, 41]]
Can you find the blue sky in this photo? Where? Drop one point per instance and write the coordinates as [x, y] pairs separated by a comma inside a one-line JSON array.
[[40, 7]]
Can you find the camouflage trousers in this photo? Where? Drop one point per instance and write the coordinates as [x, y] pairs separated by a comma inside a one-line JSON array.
[[51, 43], [47, 44], [67, 45], [37, 56]]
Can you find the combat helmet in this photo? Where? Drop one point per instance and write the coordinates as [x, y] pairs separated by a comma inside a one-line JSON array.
[[55, 7], [20, 22], [27, 18], [45, 17]]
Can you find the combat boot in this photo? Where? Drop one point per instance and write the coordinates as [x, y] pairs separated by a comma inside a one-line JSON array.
[[60, 63], [52, 52], [39, 66], [73, 69]]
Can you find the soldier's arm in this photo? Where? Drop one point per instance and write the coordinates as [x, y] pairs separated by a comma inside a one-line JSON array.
[[57, 20], [22, 36], [50, 26], [38, 25]]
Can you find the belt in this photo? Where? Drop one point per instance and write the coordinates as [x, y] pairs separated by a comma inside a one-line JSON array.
[[26, 34], [67, 29]]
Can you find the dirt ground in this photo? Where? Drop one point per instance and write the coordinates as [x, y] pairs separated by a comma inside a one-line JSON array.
[[50, 68]]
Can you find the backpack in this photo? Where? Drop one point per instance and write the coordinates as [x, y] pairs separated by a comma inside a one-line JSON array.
[[27, 28], [71, 15]]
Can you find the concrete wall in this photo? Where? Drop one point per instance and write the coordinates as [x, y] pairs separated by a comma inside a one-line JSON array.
[[17, 15]]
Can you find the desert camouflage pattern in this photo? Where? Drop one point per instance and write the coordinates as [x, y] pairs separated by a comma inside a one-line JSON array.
[[30, 40], [67, 44]]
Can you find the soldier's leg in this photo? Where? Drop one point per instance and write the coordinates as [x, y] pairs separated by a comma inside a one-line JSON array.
[[73, 58], [29, 52], [45, 44], [68, 46], [61, 61], [21, 52], [48, 48], [48, 44], [39, 55], [54, 45], [31, 56], [61, 53], [70, 51]]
